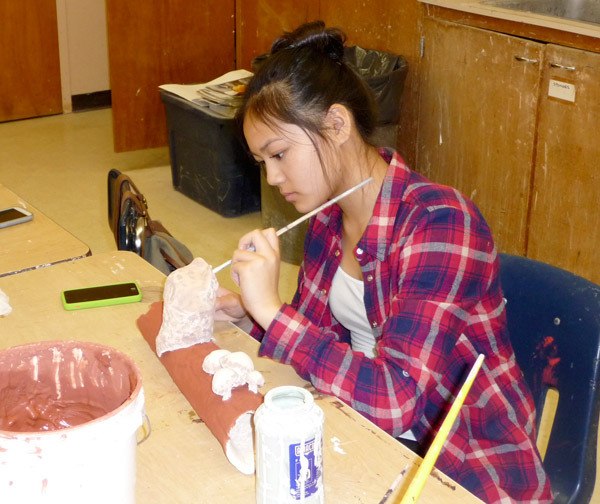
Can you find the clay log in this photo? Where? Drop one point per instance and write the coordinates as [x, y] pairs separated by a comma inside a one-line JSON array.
[[230, 420]]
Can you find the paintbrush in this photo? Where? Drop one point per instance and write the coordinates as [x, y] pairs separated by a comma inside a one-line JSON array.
[[306, 216], [394, 485], [418, 482]]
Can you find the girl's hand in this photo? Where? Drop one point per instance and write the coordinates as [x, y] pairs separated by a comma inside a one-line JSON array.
[[228, 306], [255, 268]]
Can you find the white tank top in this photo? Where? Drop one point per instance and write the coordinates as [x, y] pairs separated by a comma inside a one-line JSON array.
[[348, 307], [346, 301]]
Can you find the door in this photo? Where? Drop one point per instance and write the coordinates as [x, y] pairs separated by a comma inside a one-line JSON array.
[[156, 42], [565, 216], [477, 114], [29, 58]]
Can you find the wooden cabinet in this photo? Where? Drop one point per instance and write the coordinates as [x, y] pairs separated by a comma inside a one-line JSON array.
[[477, 121], [529, 161], [565, 202]]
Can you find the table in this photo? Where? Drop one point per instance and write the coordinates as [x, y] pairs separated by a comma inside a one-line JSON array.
[[181, 461], [34, 244]]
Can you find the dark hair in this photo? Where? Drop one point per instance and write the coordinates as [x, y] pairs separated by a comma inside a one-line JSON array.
[[303, 76]]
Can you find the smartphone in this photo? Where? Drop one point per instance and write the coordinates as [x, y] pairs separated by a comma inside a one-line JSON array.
[[101, 295], [14, 215]]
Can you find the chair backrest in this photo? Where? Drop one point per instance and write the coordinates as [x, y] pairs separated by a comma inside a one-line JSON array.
[[554, 324]]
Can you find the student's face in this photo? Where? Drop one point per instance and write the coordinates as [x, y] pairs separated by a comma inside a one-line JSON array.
[[290, 160]]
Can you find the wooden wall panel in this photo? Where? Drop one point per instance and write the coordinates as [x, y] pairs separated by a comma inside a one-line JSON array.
[[29, 58], [376, 26], [259, 22], [156, 42]]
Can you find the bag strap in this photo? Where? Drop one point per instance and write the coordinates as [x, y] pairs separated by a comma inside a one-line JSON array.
[[166, 252], [156, 227], [112, 201]]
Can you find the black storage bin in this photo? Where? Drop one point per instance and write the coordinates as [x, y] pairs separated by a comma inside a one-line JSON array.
[[208, 162]]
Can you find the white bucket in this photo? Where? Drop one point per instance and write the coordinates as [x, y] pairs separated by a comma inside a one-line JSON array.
[[69, 415]]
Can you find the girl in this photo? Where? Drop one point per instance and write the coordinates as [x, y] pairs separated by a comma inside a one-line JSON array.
[[398, 291]]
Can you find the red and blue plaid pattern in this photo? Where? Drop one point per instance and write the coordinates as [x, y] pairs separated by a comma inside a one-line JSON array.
[[434, 301]]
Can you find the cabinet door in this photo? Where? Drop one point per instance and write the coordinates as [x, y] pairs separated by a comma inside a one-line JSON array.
[[477, 115], [565, 217]]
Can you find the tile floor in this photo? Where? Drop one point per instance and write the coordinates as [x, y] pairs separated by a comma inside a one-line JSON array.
[[60, 163]]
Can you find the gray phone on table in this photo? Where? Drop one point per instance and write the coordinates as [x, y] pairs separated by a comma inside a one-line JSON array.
[[13, 216]]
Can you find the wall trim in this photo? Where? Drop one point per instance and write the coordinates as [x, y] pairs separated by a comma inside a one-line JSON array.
[[63, 50], [87, 101]]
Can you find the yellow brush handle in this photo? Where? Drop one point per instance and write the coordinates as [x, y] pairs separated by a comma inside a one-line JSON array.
[[418, 482]]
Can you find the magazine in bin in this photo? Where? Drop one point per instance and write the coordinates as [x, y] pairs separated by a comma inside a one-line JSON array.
[[221, 97]]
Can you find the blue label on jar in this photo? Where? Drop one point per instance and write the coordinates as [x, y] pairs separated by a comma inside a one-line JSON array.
[[304, 473]]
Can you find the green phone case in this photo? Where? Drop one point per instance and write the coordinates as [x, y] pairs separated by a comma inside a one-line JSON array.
[[101, 295]]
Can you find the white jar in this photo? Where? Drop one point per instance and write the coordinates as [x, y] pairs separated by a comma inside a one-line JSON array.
[[289, 448]]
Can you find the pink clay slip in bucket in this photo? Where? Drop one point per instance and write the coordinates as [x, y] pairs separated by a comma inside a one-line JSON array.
[[69, 416]]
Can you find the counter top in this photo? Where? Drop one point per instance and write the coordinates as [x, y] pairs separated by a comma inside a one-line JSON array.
[[530, 18]]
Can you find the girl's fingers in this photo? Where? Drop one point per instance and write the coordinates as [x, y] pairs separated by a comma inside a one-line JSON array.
[[260, 241], [272, 239]]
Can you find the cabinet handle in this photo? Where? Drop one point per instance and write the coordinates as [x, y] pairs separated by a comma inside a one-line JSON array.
[[564, 67], [526, 60]]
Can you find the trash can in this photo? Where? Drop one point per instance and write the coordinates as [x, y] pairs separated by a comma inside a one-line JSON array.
[[385, 74], [208, 162]]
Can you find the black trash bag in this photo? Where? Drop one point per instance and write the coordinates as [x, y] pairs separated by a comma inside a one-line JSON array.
[[385, 74]]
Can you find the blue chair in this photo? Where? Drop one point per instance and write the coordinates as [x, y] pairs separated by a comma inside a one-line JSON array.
[[554, 324]]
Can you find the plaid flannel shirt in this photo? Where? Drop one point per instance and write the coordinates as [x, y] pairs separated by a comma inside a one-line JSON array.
[[434, 302]]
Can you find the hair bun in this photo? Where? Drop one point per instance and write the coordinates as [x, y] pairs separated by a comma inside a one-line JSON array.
[[315, 36]]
